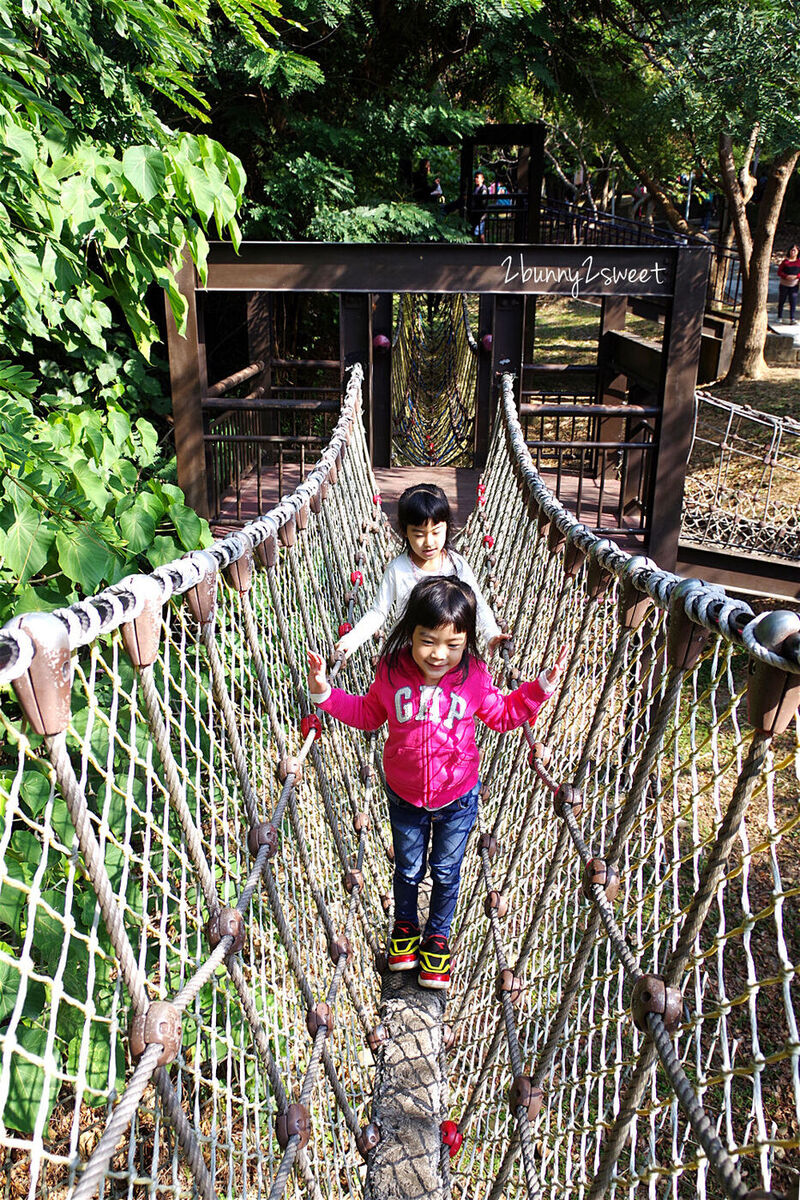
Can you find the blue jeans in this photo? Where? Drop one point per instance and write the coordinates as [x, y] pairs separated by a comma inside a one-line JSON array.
[[447, 830]]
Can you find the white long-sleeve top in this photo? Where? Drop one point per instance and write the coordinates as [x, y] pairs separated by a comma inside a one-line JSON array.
[[398, 580]]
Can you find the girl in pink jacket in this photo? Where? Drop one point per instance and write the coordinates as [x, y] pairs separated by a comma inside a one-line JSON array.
[[429, 687]]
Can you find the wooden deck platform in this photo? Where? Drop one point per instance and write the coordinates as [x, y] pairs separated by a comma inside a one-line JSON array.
[[458, 484]]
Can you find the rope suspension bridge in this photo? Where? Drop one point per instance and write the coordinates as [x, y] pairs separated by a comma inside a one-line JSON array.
[[434, 369], [195, 880]]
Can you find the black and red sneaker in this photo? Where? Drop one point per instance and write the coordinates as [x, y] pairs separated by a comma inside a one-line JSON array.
[[403, 947], [434, 962]]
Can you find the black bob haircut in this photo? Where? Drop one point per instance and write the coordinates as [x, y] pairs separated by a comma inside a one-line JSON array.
[[422, 503], [440, 600]]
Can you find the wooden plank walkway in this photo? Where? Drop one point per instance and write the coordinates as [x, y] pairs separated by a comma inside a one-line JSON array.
[[458, 484]]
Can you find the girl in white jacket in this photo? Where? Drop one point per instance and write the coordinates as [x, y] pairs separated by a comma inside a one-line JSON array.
[[425, 521]]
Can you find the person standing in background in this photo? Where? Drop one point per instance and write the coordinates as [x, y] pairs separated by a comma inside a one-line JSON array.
[[788, 280]]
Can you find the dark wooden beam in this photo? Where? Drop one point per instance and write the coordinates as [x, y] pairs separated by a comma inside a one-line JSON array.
[[503, 269], [382, 382], [189, 379], [681, 354]]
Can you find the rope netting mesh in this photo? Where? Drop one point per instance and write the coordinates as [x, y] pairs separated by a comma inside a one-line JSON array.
[[161, 800], [434, 375], [743, 481]]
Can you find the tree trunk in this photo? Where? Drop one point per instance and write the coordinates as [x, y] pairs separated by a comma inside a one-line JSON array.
[[748, 352]]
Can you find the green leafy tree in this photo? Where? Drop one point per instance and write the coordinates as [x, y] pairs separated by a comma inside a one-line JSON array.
[[706, 87]]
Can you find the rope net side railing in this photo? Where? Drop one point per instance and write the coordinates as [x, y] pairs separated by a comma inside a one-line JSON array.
[[743, 480], [177, 861], [179, 846], [649, 845], [434, 377]]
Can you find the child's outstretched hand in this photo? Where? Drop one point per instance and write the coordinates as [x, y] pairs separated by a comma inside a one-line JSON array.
[[317, 673], [554, 673]]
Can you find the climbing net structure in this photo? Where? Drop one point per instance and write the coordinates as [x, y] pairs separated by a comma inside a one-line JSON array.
[[743, 481], [195, 879], [434, 375]]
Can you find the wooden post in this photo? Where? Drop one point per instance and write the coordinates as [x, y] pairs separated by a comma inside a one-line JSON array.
[[483, 384], [381, 418], [535, 178], [355, 346], [682, 332], [189, 378], [507, 338]]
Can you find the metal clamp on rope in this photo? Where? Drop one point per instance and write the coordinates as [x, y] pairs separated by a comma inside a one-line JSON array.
[[488, 842], [290, 765], [605, 875], [338, 947], [633, 604], [44, 691], [353, 881], [495, 902], [773, 695], [377, 1037], [319, 1017], [239, 573], [508, 984], [524, 1094], [266, 552], [366, 772], [202, 598], [228, 922], [448, 1037], [265, 834], [651, 995], [295, 1122], [362, 822], [685, 640], [369, 1138], [142, 635], [158, 1025], [568, 796]]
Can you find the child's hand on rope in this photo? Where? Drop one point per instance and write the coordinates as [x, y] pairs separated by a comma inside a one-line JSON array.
[[317, 673], [496, 643], [554, 673]]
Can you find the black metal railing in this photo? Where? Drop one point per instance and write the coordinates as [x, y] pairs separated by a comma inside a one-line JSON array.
[[259, 444]]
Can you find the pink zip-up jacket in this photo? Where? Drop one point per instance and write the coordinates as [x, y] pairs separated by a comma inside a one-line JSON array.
[[430, 757]]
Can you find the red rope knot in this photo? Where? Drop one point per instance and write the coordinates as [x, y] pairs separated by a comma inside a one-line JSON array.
[[228, 922], [488, 540], [344, 628], [651, 995], [158, 1025], [309, 722], [356, 577], [452, 1137]]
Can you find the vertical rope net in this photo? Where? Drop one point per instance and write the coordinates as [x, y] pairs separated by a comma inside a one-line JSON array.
[[179, 848], [434, 375]]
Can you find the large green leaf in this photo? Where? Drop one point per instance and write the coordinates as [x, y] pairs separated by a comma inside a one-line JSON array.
[[83, 558], [26, 543], [30, 1086], [138, 527], [145, 169]]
